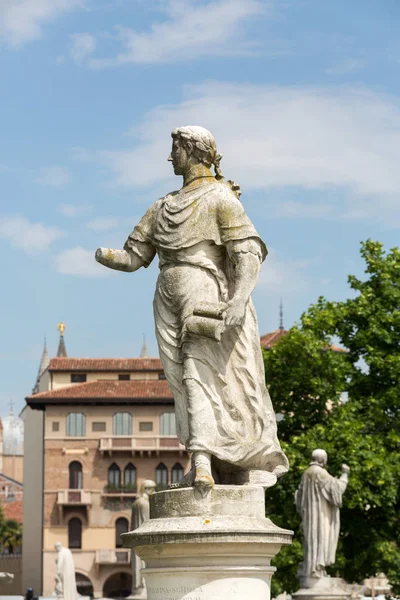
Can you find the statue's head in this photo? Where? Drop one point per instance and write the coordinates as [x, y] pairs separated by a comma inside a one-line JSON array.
[[58, 546], [194, 145], [320, 456], [149, 487]]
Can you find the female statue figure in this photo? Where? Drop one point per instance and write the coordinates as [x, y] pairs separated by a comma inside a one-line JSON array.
[[209, 258]]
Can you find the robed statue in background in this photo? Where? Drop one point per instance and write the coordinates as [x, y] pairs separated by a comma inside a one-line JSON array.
[[209, 258], [318, 502], [140, 514], [65, 574]]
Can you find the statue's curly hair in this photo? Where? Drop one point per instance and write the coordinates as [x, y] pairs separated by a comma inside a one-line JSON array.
[[204, 146], [205, 150]]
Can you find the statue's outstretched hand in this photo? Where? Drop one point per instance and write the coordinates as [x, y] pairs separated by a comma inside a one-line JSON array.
[[345, 469], [235, 313], [102, 254]]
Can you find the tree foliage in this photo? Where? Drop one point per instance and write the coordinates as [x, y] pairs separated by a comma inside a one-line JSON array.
[[306, 379], [10, 534]]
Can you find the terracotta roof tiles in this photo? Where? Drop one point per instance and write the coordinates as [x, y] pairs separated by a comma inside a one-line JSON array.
[[106, 392], [105, 364]]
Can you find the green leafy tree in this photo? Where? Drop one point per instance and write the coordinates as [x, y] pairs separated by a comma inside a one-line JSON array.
[[305, 380], [10, 535]]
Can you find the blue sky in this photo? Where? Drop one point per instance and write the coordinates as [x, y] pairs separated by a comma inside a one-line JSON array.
[[302, 97]]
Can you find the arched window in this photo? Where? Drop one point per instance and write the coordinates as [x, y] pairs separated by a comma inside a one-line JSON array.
[[76, 424], [75, 533], [161, 476], [122, 423], [167, 424], [114, 475], [75, 476], [176, 473], [121, 526], [130, 476]]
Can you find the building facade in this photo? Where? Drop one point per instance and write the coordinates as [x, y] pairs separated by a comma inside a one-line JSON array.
[[106, 426]]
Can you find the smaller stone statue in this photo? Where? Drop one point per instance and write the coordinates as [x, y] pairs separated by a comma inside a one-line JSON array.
[[65, 574], [318, 501], [6, 577], [140, 513]]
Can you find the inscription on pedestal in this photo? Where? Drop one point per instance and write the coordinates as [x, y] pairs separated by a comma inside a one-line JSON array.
[[179, 592]]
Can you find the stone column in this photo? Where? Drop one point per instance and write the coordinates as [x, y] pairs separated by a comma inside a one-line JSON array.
[[213, 547]]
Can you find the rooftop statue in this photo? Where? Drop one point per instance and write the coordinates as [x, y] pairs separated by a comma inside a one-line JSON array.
[[209, 258], [318, 501]]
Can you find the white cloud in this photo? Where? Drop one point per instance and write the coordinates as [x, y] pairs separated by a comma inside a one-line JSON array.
[[32, 238], [304, 210], [79, 261], [311, 137], [347, 66], [193, 29], [73, 210], [104, 223], [54, 176], [82, 46], [21, 21]]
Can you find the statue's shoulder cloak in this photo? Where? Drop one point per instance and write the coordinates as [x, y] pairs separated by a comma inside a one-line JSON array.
[[210, 211]]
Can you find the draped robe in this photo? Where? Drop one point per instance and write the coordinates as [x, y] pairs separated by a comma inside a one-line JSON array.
[[318, 501], [66, 574], [221, 401]]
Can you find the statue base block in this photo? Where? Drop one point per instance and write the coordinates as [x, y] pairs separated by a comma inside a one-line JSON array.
[[213, 547], [325, 588]]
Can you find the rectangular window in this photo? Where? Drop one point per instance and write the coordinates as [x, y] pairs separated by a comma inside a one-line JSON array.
[[146, 426], [122, 424], [168, 424], [55, 426], [98, 426], [162, 376], [124, 376], [76, 425], [78, 377]]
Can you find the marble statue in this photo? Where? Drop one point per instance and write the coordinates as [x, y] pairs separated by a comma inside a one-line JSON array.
[[318, 501], [65, 574], [140, 514], [6, 577], [209, 258]]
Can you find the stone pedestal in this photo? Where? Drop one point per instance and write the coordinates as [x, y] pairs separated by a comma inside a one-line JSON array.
[[216, 547], [325, 588]]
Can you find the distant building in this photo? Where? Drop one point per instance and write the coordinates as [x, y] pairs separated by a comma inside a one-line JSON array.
[[95, 430], [11, 466]]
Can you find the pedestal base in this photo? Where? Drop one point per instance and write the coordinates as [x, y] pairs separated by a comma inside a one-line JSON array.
[[216, 547], [325, 588]]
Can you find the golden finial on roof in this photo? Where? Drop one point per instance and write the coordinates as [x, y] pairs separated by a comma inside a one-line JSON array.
[[61, 328]]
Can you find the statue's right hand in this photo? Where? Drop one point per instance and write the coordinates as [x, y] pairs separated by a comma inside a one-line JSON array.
[[101, 254], [345, 469]]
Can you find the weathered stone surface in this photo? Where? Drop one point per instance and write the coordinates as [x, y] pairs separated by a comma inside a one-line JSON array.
[[65, 574], [214, 547], [318, 501], [210, 255], [140, 514]]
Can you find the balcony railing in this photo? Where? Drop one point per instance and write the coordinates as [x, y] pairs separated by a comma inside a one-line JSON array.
[[74, 498], [139, 443], [112, 557]]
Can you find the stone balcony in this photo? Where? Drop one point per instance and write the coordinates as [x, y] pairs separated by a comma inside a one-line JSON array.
[[140, 444], [112, 557], [74, 498]]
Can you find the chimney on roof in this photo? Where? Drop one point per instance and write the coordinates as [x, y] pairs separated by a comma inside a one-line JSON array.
[[62, 350], [144, 353], [281, 327], [44, 363]]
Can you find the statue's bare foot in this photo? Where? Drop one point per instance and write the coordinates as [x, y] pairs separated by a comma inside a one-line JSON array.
[[203, 479]]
